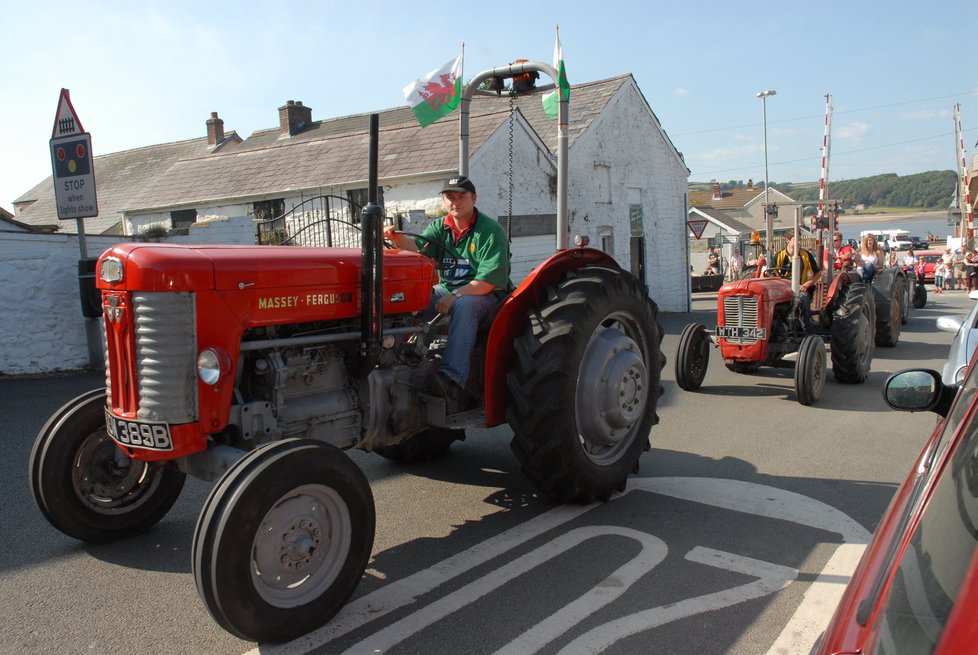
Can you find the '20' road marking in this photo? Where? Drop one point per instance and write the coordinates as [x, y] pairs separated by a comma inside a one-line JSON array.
[[746, 497]]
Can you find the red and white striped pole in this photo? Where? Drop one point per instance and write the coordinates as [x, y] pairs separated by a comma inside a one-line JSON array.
[[965, 192], [823, 183]]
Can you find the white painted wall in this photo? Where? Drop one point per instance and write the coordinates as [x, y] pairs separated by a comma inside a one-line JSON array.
[[42, 329], [623, 157]]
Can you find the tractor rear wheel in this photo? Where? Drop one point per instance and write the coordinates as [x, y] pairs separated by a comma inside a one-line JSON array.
[[810, 370], [853, 323], [86, 486], [585, 385], [693, 357], [425, 446], [889, 295], [283, 540]]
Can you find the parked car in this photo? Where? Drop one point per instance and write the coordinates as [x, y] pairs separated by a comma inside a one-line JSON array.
[[916, 588], [965, 340], [929, 259], [917, 242]]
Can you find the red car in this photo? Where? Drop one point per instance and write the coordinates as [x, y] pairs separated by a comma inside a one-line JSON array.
[[928, 260], [916, 588]]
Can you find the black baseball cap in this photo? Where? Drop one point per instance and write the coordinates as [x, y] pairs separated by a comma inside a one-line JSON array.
[[458, 183]]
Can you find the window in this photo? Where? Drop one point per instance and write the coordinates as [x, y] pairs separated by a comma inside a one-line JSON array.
[[183, 218], [266, 210], [358, 199], [607, 237]]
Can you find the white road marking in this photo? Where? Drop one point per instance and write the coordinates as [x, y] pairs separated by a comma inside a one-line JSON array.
[[653, 551], [771, 578], [735, 495]]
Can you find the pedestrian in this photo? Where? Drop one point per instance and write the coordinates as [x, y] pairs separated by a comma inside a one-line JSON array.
[[959, 277], [971, 269], [471, 290], [736, 265], [948, 260], [713, 262], [939, 270]]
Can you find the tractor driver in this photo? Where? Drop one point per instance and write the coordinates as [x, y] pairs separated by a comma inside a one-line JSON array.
[[476, 248], [810, 275]]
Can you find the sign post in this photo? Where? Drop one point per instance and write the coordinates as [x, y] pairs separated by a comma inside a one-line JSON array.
[[73, 168]]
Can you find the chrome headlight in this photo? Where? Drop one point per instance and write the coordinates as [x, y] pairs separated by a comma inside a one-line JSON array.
[[212, 365], [110, 270]]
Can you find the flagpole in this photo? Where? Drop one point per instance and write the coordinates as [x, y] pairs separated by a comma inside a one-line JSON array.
[[463, 125]]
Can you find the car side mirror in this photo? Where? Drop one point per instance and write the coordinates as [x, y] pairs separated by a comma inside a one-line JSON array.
[[918, 390]]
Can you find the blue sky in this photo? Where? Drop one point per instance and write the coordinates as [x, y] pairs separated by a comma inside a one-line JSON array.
[[149, 72]]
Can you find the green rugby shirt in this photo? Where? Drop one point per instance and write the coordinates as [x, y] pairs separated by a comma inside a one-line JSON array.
[[482, 252]]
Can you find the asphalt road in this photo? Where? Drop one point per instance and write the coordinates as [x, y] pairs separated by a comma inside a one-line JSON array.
[[735, 536]]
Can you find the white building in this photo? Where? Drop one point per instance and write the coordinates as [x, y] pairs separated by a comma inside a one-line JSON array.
[[627, 186]]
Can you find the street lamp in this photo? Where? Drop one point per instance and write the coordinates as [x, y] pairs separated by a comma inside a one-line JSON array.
[[768, 218]]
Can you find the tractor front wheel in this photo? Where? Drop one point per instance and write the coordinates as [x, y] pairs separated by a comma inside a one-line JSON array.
[[283, 540], [585, 385], [693, 357], [86, 486], [919, 296], [810, 370]]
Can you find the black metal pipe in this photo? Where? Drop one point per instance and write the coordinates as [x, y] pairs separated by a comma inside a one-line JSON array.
[[372, 272]]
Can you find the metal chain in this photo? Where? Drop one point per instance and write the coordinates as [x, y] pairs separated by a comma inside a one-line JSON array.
[[509, 219]]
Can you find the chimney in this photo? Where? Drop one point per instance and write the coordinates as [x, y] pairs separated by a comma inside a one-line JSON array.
[[716, 190], [293, 117], [215, 130]]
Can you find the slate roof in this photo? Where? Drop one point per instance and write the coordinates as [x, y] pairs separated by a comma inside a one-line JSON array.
[[118, 176], [330, 152], [723, 219], [732, 199]]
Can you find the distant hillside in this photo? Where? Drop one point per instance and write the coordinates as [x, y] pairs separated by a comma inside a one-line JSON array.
[[931, 190]]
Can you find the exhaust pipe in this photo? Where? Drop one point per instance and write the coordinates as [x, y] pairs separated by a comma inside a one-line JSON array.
[[372, 271]]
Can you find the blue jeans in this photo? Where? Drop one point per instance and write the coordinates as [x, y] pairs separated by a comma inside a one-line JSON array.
[[467, 315], [869, 270]]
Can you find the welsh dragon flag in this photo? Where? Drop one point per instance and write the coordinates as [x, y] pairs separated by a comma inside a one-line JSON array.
[[436, 94], [551, 101]]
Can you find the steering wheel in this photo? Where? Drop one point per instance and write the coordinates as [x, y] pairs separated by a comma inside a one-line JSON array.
[[782, 271], [445, 261]]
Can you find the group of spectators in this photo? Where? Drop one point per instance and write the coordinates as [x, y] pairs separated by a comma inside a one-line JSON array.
[[956, 269]]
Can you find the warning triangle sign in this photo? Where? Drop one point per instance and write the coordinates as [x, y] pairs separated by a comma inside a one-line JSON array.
[[66, 121], [697, 226]]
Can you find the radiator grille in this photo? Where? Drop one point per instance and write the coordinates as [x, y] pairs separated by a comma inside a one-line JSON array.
[[166, 354], [740, 311]]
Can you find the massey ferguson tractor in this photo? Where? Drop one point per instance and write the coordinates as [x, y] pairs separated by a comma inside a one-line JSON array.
[[257, 366], [759, 324]]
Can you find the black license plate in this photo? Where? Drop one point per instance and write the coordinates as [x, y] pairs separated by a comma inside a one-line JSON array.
[[152, 435], [755, 333]]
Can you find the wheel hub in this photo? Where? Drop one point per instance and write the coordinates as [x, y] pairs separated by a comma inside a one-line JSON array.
[[300, 546], [612, 390], [103, 475]]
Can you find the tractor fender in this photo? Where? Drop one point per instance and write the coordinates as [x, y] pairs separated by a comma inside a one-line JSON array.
[[511, 321]]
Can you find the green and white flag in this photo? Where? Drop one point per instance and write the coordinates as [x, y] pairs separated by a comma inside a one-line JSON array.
[[551, 101], [436, 94]]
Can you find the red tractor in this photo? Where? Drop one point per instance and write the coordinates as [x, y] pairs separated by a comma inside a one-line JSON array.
[[257, 366], [759, 324]]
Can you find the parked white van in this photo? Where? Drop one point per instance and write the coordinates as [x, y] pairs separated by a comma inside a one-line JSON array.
[[890, 239]]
